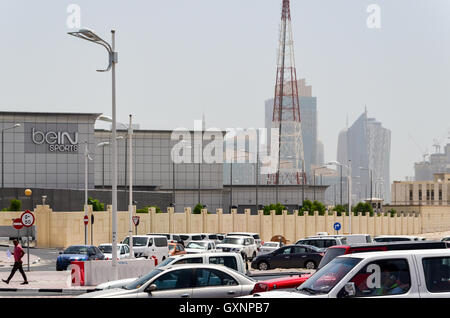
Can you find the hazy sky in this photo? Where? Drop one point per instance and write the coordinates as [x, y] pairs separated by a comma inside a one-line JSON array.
[[181, 58]]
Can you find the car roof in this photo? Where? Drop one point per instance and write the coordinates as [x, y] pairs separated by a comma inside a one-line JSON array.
[[207, 241], [380, 244], [388, 254], [206, 254], [245, 233], [151, 235], [202, 265]]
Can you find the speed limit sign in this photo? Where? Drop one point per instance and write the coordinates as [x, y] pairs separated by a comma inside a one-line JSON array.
[[27, 218]]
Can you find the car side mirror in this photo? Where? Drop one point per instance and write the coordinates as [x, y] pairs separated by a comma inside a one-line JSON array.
[[151, 288], [350, 289]]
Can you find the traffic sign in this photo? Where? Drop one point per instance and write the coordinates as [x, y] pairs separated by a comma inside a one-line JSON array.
[[86, 220], [136, 220], [27, 218], [17, 224], [337, 226]]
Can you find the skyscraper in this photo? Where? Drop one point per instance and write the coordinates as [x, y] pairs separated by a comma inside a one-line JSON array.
[[367, 144]]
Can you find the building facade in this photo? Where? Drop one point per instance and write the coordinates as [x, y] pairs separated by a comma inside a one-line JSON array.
[[435, 192]]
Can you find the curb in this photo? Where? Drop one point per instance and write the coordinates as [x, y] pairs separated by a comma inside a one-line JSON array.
[[49, 290]]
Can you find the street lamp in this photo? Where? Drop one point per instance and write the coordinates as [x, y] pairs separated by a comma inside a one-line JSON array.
[[89, 35], [3, 159], [349, 167], [314, 176]]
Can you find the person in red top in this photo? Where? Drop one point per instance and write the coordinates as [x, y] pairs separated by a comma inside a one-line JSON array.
[[18, 254]]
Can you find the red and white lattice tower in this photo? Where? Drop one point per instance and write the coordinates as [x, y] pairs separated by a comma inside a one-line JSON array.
[[286, 110]]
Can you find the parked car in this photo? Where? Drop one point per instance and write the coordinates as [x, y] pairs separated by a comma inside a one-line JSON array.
[[397, 238], [332, 252], [77, 253], [149, 245], [183, 281], [171, 238], [335, 251], [231, 260], [348, 238], [195, 247], [290, 256], [176, 249], [446, 239], [268, 247], [244, 245], [255, 236], [123, 250], [323, 241], [187, 237], [390, 274], [287, 283]]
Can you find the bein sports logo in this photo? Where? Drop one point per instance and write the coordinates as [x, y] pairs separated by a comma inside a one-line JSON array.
[[57, 141]]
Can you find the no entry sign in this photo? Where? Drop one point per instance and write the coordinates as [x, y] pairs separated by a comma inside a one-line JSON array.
[[17, 224], [86, 220]]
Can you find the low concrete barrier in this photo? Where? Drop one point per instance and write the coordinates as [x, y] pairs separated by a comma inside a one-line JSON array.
[[97, 272]]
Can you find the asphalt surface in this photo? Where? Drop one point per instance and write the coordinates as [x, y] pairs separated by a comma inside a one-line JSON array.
[[47, 259]]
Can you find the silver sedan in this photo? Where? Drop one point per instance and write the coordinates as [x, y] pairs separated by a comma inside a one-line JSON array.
[[183, 281]]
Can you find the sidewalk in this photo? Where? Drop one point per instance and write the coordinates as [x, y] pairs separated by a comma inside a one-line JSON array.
[[43, 282]]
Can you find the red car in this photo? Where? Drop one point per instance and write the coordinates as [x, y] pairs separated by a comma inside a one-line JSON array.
[[280, 283]]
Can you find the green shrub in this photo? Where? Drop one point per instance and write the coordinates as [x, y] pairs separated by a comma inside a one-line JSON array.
[[198, 209], [14, 205], [278, 208], [96, 204]]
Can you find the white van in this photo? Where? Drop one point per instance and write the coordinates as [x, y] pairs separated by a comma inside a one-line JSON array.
[[231, 260], [255, 236], [149, 245], [171, 238]]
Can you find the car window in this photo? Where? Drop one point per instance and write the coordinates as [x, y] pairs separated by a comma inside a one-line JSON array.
[[299, 249], [286, 250], [228, 261], [437, 274], [256, 237], [122, 250], [211, 277], [184, 237], [383, 277], [197, 238], [176, 238], [192, 260], [160, 241], [137, 241], [127, 249], [176, 279], [76, 250], [150, 242]]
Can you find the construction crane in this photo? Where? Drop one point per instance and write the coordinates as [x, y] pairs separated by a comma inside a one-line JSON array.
[[424, 153]]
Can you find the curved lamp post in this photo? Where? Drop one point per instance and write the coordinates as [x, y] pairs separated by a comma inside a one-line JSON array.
[[89, 35]]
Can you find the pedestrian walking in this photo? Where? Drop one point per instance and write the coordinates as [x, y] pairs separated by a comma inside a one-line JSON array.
[[18, 254]]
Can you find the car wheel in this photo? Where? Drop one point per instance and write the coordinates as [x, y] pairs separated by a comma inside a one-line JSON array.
[[263, 266], [310, 265]]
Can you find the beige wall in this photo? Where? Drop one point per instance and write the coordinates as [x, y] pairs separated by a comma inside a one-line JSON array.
[[61, 229]]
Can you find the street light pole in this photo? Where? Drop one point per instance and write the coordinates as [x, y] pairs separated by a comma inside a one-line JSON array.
[[88, 35], [130, 203]]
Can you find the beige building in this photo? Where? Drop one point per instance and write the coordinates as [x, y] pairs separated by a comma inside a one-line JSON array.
[[436, 192]]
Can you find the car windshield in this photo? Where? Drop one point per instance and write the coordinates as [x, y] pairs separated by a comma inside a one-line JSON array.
[[107, 249], [137, 241], [167, 261], [77, 250], [233, 240], [268, 244], [197, 245], [328, 276], [142, 280]]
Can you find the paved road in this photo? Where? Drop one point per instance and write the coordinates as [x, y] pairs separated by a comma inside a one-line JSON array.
[[47, 259]]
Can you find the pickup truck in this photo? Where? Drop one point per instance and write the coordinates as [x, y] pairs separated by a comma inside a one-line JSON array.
[[390, 274]]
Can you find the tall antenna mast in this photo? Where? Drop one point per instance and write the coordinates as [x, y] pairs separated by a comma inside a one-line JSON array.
[[286, 109]]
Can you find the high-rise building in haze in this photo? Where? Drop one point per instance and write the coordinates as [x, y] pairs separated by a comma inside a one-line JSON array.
[[438, 162], [368, 145]]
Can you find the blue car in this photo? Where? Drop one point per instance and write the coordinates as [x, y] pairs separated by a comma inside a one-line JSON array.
[[77, 253]]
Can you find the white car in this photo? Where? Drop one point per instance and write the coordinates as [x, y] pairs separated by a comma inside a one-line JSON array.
[[244, 245], [231, 260], [397, 238], [183, 281], [389, 274], [123, 250], [149, 246], [269, 247], [195, 247], [255, 236]]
